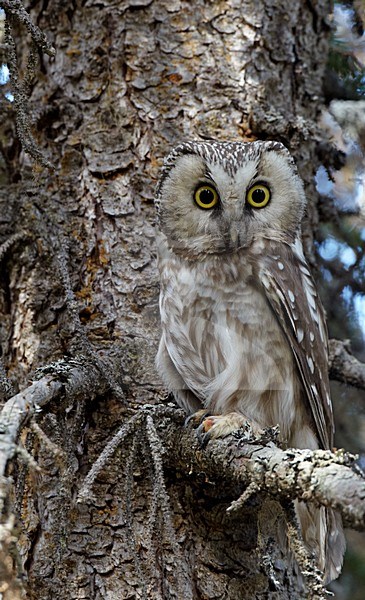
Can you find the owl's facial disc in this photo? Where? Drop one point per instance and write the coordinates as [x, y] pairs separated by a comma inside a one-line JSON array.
[[219, 198]]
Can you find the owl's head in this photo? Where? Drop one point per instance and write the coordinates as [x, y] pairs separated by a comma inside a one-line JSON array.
[[217, 197]]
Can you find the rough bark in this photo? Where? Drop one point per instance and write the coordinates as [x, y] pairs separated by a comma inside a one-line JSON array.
[[128, 80]]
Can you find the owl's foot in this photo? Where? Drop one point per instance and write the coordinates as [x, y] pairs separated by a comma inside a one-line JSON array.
[[219, 426], [196, 418]]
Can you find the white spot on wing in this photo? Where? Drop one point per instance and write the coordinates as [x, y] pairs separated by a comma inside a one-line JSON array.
[[280, 265], [298, 249], [311, 299], [312, 304], [304, 270], [309, 289], [291, 296], [265, 281], [310, 364], [300, 335]]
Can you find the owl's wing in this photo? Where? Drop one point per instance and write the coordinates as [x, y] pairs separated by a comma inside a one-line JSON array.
[[291, 292]]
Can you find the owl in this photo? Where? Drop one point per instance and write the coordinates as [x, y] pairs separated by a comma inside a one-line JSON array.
[[243, 330]]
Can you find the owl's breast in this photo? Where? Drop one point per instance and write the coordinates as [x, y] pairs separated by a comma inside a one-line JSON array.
[[225, 341]]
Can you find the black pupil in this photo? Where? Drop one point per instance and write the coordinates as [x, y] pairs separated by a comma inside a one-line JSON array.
[[258, 196], [206, 196]]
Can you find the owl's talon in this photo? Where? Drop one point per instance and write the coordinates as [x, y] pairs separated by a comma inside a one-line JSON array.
[[203, 436], [202, 421], [196, 418]]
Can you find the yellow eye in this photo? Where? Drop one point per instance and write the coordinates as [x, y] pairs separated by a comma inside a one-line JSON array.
[[258, 196], [206, 196]]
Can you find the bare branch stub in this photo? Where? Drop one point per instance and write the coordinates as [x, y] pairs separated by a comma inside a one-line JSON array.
[[126, 430], [72, 377], [16, 237], [312, 575], [344, 366]]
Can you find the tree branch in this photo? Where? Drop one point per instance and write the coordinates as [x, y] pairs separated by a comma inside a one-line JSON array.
[[73, 377], [320, 476], [16, 8], [240, 462], [344, 366]]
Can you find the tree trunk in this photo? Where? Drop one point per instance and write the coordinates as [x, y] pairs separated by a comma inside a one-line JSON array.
[[129, 80]]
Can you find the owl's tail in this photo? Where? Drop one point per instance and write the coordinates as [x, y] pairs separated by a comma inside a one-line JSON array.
[[323, 535]]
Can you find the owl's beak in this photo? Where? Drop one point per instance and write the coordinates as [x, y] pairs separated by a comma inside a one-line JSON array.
[[234, 236]]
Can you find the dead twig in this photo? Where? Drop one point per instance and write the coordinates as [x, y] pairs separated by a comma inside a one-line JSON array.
[[17, 10], [14, 10]]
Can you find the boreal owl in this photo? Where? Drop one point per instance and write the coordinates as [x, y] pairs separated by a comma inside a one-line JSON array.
[[243, 329]]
